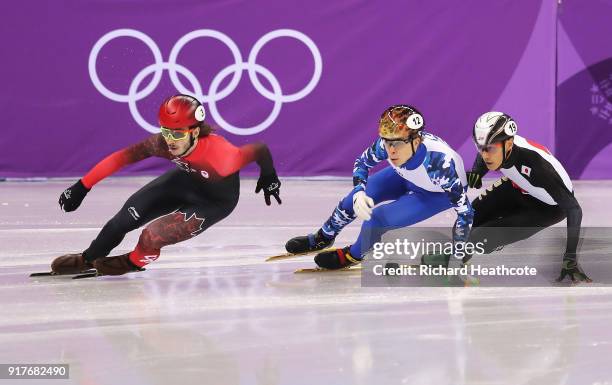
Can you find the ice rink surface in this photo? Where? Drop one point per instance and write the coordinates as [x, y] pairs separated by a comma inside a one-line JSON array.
[[211, 311]]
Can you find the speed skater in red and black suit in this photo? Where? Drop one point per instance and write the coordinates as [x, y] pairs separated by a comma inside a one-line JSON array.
[[181, 203]]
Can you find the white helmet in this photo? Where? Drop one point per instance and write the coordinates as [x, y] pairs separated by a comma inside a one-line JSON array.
[[492, 127]]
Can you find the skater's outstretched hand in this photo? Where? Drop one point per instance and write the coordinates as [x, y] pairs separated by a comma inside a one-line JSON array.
[[362, 205], [72, 197], [271, 187], [572, 269]]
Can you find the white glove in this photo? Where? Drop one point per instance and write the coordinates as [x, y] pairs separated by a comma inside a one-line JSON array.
[[362, 205]]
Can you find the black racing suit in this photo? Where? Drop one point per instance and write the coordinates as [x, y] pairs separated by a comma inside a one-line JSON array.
[[535, 192]]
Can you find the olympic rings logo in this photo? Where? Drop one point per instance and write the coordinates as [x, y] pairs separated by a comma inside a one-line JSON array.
[[214, 94]]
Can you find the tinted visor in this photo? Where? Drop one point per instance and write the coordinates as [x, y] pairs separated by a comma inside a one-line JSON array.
[[174, 134]]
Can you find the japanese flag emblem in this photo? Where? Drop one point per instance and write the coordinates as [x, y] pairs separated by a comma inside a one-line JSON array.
[[526, 170]]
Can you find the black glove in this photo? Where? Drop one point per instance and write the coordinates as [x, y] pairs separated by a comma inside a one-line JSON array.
[[474, 179], [572, 269], [270, 186], [72, 197]]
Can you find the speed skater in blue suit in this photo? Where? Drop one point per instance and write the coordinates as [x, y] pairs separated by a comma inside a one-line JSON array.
[[425, 176]]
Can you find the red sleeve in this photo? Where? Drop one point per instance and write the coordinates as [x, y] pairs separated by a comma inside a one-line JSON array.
[[237, 157], [152, 146]]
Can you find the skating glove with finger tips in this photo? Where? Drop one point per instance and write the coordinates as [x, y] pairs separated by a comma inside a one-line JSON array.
[[474, 179], [271, 187], [572, 269], [72, 197], [362, 205]]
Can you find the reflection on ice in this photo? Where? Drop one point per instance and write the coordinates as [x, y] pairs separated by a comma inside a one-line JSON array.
[[211, 311]]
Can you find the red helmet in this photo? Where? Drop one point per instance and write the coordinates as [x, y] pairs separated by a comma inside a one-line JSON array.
[[181, 111]]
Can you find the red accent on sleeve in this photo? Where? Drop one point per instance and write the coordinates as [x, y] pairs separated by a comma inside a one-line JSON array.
[[152, 146], [227, 158], [538, 145], [516, 186], [236, 159], [106, 167]]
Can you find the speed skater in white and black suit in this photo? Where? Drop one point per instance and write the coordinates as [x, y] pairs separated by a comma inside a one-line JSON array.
[[534, 193]]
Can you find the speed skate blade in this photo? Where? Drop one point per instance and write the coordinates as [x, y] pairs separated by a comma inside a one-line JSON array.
[[53, 274], [320, 270], [357, 268], [86, 275], [94, 273], [295, 255]]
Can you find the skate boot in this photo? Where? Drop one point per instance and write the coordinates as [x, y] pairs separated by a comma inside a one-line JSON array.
[[118, 265], [336, 259], [310, 242], [70, 264]]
